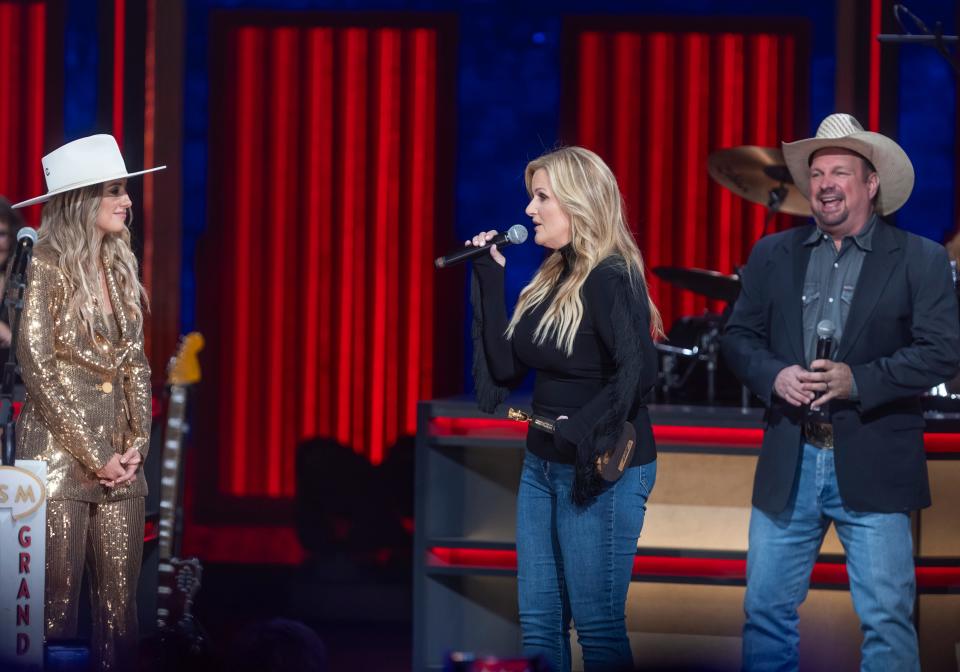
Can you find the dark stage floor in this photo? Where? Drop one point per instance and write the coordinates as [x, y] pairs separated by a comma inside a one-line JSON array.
[[362, 616]]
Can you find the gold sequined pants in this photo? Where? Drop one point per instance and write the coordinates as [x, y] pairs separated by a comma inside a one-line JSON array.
[[108, 539]]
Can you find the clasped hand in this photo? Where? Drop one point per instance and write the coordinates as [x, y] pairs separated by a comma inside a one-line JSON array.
[[798, 387], [120, 469]]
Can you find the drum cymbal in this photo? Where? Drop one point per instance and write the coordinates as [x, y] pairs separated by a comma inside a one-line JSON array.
[[712, 284], [754, 173]]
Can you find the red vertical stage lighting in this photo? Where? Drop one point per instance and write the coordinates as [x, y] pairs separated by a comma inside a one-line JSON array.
[[119, 38], [873, 121], [322, 223], [22, 68], [654, 103]]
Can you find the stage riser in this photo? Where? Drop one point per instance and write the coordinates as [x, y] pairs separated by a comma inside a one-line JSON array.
[[685, 604]]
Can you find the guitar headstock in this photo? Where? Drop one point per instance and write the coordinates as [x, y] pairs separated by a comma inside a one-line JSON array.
[[184, 367]]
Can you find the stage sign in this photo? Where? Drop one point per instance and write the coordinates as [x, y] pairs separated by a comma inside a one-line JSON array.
[[23, 514]]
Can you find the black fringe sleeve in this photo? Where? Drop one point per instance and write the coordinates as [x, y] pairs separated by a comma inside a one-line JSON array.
[[601, 421], [489, 393]]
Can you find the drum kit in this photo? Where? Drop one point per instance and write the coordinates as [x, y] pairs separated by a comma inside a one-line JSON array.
[[691, 367], [692, 370]]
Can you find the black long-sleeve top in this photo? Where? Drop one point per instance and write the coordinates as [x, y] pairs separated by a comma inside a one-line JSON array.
[[599, 386]]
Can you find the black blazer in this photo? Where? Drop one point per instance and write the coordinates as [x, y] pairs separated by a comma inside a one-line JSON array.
[[902, 337]]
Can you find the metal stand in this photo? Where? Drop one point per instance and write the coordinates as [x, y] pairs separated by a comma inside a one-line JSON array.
[[934, 38], [13, 301], [706, 350]]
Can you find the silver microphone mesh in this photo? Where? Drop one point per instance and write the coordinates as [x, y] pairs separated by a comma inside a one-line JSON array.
[[826, 329], [517, 234]]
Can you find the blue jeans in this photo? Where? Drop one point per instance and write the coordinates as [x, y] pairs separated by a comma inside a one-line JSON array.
[[577, 562], [783, 549]]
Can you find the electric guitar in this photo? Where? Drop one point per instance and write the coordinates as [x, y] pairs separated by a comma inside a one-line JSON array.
[[179, 579]]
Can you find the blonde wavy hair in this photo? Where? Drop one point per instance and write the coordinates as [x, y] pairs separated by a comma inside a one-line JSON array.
[[68, 227], [588, 193]]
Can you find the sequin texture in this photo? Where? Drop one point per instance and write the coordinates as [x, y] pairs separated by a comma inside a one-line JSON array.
[[112, 534], [86, 400], [69, 419]]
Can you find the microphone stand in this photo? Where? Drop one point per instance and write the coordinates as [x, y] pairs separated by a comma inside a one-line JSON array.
[[13, 300]]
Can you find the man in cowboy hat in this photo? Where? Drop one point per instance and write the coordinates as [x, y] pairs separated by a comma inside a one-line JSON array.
[[843, 441]]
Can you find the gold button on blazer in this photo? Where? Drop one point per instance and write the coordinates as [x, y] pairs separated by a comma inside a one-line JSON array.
[[85, 400]]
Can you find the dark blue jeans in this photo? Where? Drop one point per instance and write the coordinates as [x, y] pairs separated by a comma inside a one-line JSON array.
[[783, 549], [576, 563]]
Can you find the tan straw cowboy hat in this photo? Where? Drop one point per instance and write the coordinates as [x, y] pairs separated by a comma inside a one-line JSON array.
[[81, 163], [842, 130]]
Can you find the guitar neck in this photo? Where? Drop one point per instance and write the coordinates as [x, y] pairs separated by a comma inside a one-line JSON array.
[[170, 468]]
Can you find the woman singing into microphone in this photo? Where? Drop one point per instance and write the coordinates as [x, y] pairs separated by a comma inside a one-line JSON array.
[[88, 406], [584, 324]]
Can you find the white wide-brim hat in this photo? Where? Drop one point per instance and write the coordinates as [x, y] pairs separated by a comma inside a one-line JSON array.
[[81, 163], [841, 130]]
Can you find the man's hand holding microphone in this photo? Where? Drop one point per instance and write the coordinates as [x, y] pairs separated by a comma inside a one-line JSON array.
[[826, 379]]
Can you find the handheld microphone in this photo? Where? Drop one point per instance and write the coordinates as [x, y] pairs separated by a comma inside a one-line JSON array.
[[514, 236], [825, 331]]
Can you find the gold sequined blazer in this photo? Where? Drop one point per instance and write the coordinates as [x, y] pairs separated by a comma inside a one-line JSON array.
[[85, 400]]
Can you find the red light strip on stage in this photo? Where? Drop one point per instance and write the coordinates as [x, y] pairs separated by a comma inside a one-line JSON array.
[[940, 443], [478, 427], [708, 436], [648, 566], [726, 437], [664, 434]]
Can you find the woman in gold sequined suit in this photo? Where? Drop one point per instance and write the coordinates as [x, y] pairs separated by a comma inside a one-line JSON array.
[[88, 404]]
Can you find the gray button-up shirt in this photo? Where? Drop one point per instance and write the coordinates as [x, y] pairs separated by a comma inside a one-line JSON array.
[[830, 282]]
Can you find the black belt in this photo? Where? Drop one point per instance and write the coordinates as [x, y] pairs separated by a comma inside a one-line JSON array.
[[819, 434]]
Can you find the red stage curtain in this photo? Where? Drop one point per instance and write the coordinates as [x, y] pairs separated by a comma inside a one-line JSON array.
[[22, 63], [320, 233], [654, 105]]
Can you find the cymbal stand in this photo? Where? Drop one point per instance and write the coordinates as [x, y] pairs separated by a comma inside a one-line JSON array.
[[668, 365], [774, 202], [711, 343], [706, 350]]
